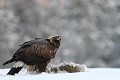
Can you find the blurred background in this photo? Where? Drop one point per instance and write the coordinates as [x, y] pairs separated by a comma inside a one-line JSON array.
[[90, 29]]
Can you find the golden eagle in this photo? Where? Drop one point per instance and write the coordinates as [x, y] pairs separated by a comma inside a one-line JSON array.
[[36, 54]]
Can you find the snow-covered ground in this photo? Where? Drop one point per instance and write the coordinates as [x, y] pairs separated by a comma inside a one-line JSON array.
[[90, 74]]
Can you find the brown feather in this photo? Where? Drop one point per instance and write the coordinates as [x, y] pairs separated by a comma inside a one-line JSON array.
[[37, 53]]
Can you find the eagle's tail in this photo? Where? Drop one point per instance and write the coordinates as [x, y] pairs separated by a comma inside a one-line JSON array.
[[14, 71], [16, 68]]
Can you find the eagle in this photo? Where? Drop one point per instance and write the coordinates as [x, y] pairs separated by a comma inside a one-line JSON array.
[[36, 54]]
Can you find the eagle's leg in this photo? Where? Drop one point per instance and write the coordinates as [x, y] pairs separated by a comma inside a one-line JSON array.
[[38, 68], [41, 67]]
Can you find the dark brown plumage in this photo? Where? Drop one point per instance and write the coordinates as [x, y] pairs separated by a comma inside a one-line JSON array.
[[36, 54]]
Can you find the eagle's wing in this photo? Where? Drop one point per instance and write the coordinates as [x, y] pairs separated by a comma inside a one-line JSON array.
[[35, 52]]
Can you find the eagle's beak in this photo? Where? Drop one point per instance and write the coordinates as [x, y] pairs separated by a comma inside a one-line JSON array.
[[58, 37]]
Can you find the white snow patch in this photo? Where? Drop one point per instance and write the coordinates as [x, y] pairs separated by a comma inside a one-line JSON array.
[[91, 74]]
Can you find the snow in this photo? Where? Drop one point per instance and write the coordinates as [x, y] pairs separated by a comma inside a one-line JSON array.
[[91, 74]]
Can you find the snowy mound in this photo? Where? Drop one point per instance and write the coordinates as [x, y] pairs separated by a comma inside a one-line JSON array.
[[91, 74], [65, 71]]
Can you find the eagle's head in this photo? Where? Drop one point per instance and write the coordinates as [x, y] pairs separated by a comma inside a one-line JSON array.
[[55, 40]]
